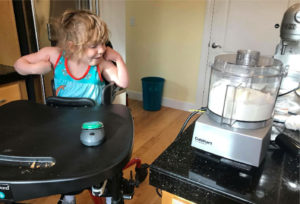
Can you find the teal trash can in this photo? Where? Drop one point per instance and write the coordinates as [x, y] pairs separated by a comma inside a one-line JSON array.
[[152, 92]]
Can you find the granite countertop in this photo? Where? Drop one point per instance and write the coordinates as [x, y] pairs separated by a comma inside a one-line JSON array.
[[180, 171], [8, 74]]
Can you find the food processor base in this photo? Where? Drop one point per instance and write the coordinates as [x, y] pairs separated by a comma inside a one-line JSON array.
[[247, 146]]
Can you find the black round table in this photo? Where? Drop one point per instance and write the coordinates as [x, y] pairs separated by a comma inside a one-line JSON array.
[[41, 153]]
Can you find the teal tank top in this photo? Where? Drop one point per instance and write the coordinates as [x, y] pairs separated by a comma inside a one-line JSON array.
[[90, 85]]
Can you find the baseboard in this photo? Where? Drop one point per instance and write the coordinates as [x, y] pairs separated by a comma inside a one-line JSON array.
[[168, 102]]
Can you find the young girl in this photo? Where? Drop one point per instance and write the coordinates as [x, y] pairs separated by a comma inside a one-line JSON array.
[[80, 60]]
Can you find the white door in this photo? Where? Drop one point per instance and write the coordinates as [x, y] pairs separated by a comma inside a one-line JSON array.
[[238, 24]]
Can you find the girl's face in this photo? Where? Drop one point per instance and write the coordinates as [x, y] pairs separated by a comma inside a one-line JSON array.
[[93, 54]]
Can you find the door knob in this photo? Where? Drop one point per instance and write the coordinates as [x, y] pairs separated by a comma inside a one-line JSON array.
[[215, 45]]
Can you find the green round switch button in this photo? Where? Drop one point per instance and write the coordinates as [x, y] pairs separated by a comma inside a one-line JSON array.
[[92, 125]]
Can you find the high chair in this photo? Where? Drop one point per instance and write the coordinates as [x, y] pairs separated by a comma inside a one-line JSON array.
[[110, 94], [97, 193], [42, 153]]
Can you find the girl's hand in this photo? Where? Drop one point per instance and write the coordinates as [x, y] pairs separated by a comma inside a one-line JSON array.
[[111, 55]]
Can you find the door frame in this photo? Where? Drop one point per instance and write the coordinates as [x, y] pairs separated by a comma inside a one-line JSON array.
[[204, 72], [113, 13]]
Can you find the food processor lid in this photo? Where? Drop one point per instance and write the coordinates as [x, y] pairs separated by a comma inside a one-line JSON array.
[[248, 63]]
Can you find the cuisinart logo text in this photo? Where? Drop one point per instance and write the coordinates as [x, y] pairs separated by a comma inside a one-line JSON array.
[[202, 141], [4, 187]]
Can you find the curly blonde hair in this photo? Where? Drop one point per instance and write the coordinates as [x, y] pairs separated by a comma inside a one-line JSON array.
[[81, 28]]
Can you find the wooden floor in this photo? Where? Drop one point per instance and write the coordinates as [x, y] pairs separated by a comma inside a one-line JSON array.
[[153, 133]]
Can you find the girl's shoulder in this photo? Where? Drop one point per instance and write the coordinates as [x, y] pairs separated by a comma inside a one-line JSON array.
[[52, 52]]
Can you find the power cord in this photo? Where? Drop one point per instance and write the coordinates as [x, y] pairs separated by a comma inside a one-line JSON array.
[[200, 110], [158, 193], [283, 94]]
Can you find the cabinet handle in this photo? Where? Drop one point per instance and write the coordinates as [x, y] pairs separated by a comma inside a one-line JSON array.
[[2, 101]]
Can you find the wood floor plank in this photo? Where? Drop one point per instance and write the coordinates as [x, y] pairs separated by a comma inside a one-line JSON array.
[[154, 131]]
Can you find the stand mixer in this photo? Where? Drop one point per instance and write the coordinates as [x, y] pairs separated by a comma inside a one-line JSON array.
[[242, 95], [288, 52]]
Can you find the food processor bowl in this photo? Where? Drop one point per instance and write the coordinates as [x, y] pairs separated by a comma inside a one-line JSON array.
[[243, 88]]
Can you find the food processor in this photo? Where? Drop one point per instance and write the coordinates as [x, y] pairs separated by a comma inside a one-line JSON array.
[[242, 95]]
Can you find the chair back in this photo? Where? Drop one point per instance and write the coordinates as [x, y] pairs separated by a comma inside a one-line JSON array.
[[69, 102]]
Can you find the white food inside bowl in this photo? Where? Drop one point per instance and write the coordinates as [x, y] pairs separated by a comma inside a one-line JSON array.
[[246, 104]]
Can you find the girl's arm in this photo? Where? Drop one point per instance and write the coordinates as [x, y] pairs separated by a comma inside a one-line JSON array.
[[40, 62], [118, 73]]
